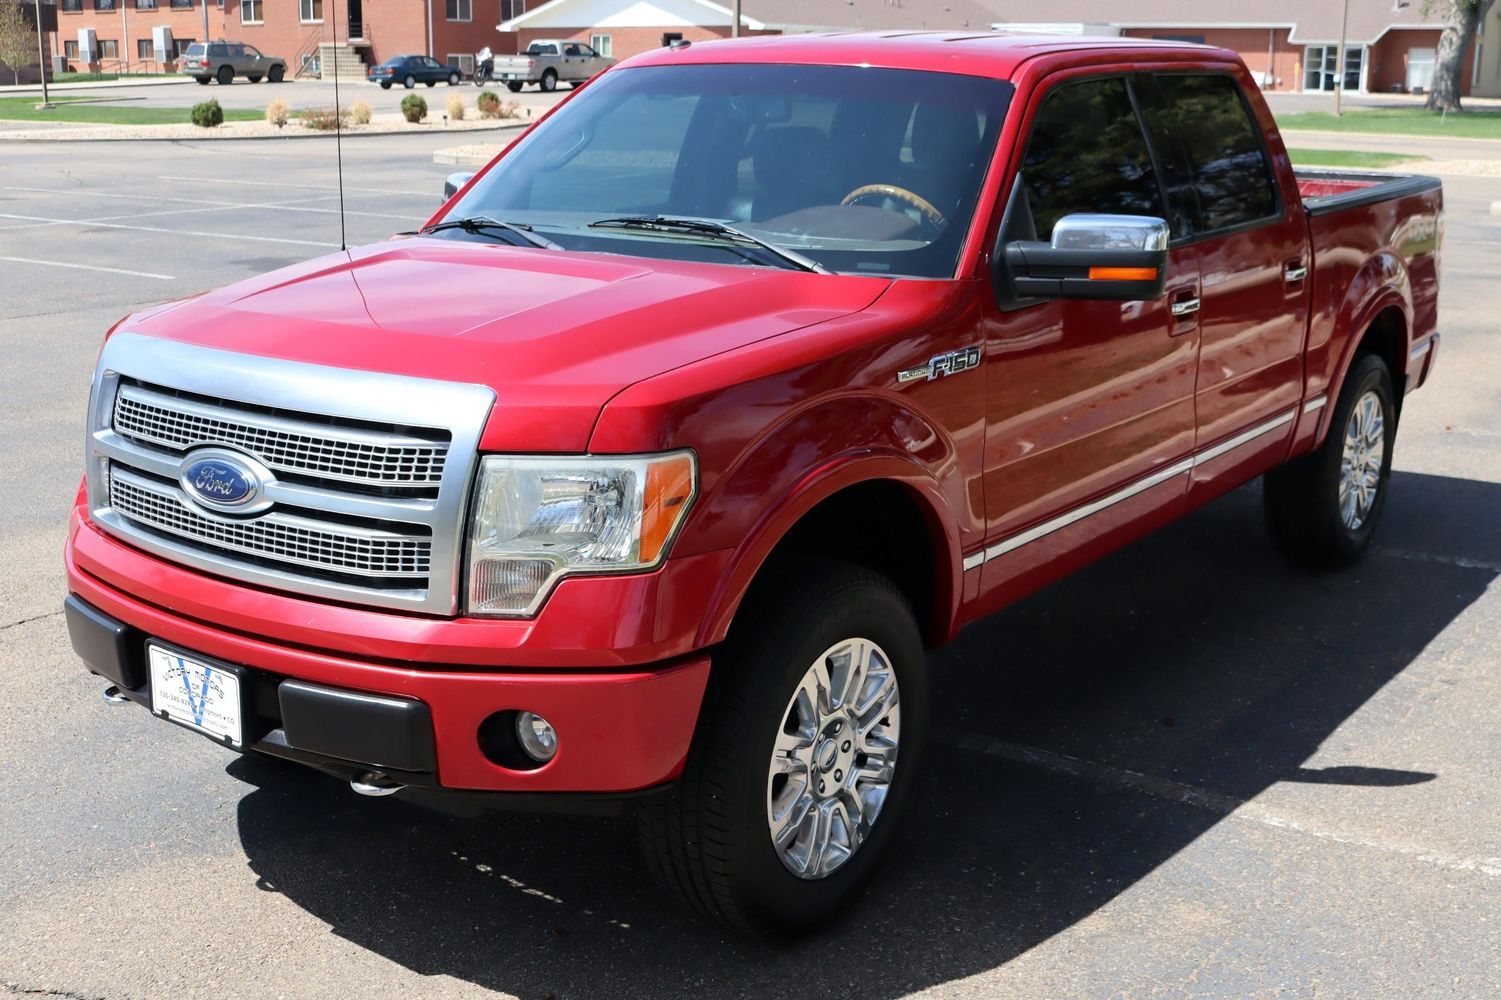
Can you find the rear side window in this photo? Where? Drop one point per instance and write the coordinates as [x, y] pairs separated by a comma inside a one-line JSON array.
[[1087, 153], [217, 50], [1232, 175]]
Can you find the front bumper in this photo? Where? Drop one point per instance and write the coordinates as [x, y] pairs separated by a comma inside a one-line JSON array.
[[618, 732]]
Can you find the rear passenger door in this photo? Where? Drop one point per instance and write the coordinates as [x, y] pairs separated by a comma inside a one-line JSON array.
[[1251, 239]]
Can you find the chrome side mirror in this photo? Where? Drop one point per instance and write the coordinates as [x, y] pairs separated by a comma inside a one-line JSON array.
[[1120, 257], [455, 181]]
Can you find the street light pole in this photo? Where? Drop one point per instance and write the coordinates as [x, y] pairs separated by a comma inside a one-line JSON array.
[[41, 56], [735, 28], [1339, 62], [205, 25]]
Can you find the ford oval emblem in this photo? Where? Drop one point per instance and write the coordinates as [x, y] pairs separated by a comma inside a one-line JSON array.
[[221, 481]]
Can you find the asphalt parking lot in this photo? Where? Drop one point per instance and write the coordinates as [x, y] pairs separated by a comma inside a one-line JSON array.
[[1188, 771]]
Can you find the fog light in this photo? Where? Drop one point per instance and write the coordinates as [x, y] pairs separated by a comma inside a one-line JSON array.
[[538, 738]]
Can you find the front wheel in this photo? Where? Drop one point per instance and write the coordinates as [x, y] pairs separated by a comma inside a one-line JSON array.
[[549, 82], [225, 76], [803, 757], [277, 74], [409, 82], [1322, 508], [453, 79]]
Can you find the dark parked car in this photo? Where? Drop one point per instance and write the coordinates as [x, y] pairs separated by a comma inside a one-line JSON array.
[[412, 70]]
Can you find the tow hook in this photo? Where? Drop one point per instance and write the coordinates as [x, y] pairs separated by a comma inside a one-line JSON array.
[[114, 696], [374, 784]]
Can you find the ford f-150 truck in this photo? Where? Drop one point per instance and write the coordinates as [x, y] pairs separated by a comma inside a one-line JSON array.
[[652, 465]]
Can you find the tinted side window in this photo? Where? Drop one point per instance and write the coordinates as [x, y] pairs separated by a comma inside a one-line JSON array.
[[1087, 154], [1231, 172]]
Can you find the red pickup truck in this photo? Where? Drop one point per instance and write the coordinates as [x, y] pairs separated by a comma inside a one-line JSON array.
[[652, 465]]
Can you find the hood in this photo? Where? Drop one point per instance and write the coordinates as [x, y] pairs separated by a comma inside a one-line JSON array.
[[554, 334]]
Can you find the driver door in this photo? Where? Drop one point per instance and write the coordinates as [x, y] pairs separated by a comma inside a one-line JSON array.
[[1090, 403]]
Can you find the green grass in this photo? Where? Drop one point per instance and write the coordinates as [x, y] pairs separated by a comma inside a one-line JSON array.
[[71, 110], [107, 77], [1348, 158], [1399, 121]]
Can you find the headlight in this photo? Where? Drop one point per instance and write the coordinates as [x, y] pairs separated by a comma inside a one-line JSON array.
[[539, 519]]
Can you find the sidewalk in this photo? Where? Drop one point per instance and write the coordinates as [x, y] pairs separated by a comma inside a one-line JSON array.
[[63, 88]]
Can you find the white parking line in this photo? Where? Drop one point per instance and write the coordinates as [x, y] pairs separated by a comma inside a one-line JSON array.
[[202, 204], [283, 184], [90, 267], [224, 237], [1215, 802]]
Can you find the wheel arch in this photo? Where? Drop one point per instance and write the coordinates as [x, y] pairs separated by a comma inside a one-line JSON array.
[[1384, 330], [836, 512]]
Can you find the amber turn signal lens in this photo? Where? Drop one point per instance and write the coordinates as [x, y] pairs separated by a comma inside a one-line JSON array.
[[1122, 274], [669, 487]]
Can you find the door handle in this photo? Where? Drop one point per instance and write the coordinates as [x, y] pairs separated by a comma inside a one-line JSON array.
[[1185, 307], [1294, 273]]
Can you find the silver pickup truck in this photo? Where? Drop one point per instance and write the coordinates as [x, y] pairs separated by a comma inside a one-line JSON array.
[[546, 62]]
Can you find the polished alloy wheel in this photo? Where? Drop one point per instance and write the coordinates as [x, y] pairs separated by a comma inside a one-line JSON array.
[[834, 758], [1360, 465]]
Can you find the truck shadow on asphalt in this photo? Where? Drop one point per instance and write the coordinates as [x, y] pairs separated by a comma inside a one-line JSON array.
[[1196, 657]]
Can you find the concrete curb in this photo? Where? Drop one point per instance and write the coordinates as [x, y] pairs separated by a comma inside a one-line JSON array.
[[1395, 137]]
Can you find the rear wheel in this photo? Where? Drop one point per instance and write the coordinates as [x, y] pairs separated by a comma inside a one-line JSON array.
[[409, 82], [225, 75], [203, 80], [277, 74], [514, 87], [793, 785], [1322, 508], [549, 81], [453, 79]]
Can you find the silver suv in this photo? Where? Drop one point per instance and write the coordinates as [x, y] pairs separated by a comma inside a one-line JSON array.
[[223, 61]]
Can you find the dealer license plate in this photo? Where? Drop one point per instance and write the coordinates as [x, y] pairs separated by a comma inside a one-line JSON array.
[[195, 694]]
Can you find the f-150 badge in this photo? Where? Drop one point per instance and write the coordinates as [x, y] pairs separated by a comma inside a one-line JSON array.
[[951, 363]]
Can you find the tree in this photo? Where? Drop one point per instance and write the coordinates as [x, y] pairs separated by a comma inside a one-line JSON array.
[[1461, 19], [17, 39]]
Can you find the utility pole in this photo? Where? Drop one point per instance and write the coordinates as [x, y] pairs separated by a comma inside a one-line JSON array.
[[41, 57], [1339, 62], [735, 28], [205, 24]]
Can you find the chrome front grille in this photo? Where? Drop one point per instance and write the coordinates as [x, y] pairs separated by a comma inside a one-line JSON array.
[[287, 445], [368, 475], [282, 538]]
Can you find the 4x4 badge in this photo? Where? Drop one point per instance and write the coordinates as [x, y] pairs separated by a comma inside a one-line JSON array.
[[951, 363]]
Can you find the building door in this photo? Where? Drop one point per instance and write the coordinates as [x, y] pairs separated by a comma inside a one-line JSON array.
[[1419, 70], [1321, 67]]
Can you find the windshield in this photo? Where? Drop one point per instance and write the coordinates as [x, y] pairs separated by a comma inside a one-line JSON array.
[[861, 169]]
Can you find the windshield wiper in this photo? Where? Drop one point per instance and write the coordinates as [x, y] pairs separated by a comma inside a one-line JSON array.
[[713, 230], [483, 223]]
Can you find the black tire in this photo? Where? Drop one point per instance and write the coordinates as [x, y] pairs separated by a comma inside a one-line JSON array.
[[225, 76], [1302, 498], [409, 82], [253, 79], [549, 82], [277, 74], [514, 86], [707, 838], [203, 80], [453, 79], [386, 85], [431, 83]]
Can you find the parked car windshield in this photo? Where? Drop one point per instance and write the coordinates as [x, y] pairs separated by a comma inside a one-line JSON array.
[[861, 169]]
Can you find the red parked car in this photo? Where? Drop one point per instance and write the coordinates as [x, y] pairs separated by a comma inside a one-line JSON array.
[[649, 469]]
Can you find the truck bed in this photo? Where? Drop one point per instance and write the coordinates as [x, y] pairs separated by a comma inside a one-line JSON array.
[[1326, 191]]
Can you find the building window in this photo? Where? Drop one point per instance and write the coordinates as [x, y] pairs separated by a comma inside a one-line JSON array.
[[251, 11], [182, 4], [104, 4], [461, 62], [70, 50], [1321, 67], [109, 48], [602, 44], [460, 10], [72, 5], [145, 4], [310, 10], [181, 46], [143, 48]]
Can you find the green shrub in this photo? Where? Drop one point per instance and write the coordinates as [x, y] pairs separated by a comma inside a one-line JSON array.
[[488, 104], [413, 108], [207, 114]]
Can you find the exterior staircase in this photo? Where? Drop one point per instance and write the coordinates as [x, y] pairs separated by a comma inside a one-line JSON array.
[[341, 60]]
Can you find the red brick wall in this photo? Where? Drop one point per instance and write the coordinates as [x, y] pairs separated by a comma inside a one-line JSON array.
[[1251, 44], [1388, 58]]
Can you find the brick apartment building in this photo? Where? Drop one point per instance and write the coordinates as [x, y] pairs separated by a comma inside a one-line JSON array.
[[1290, 45]]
